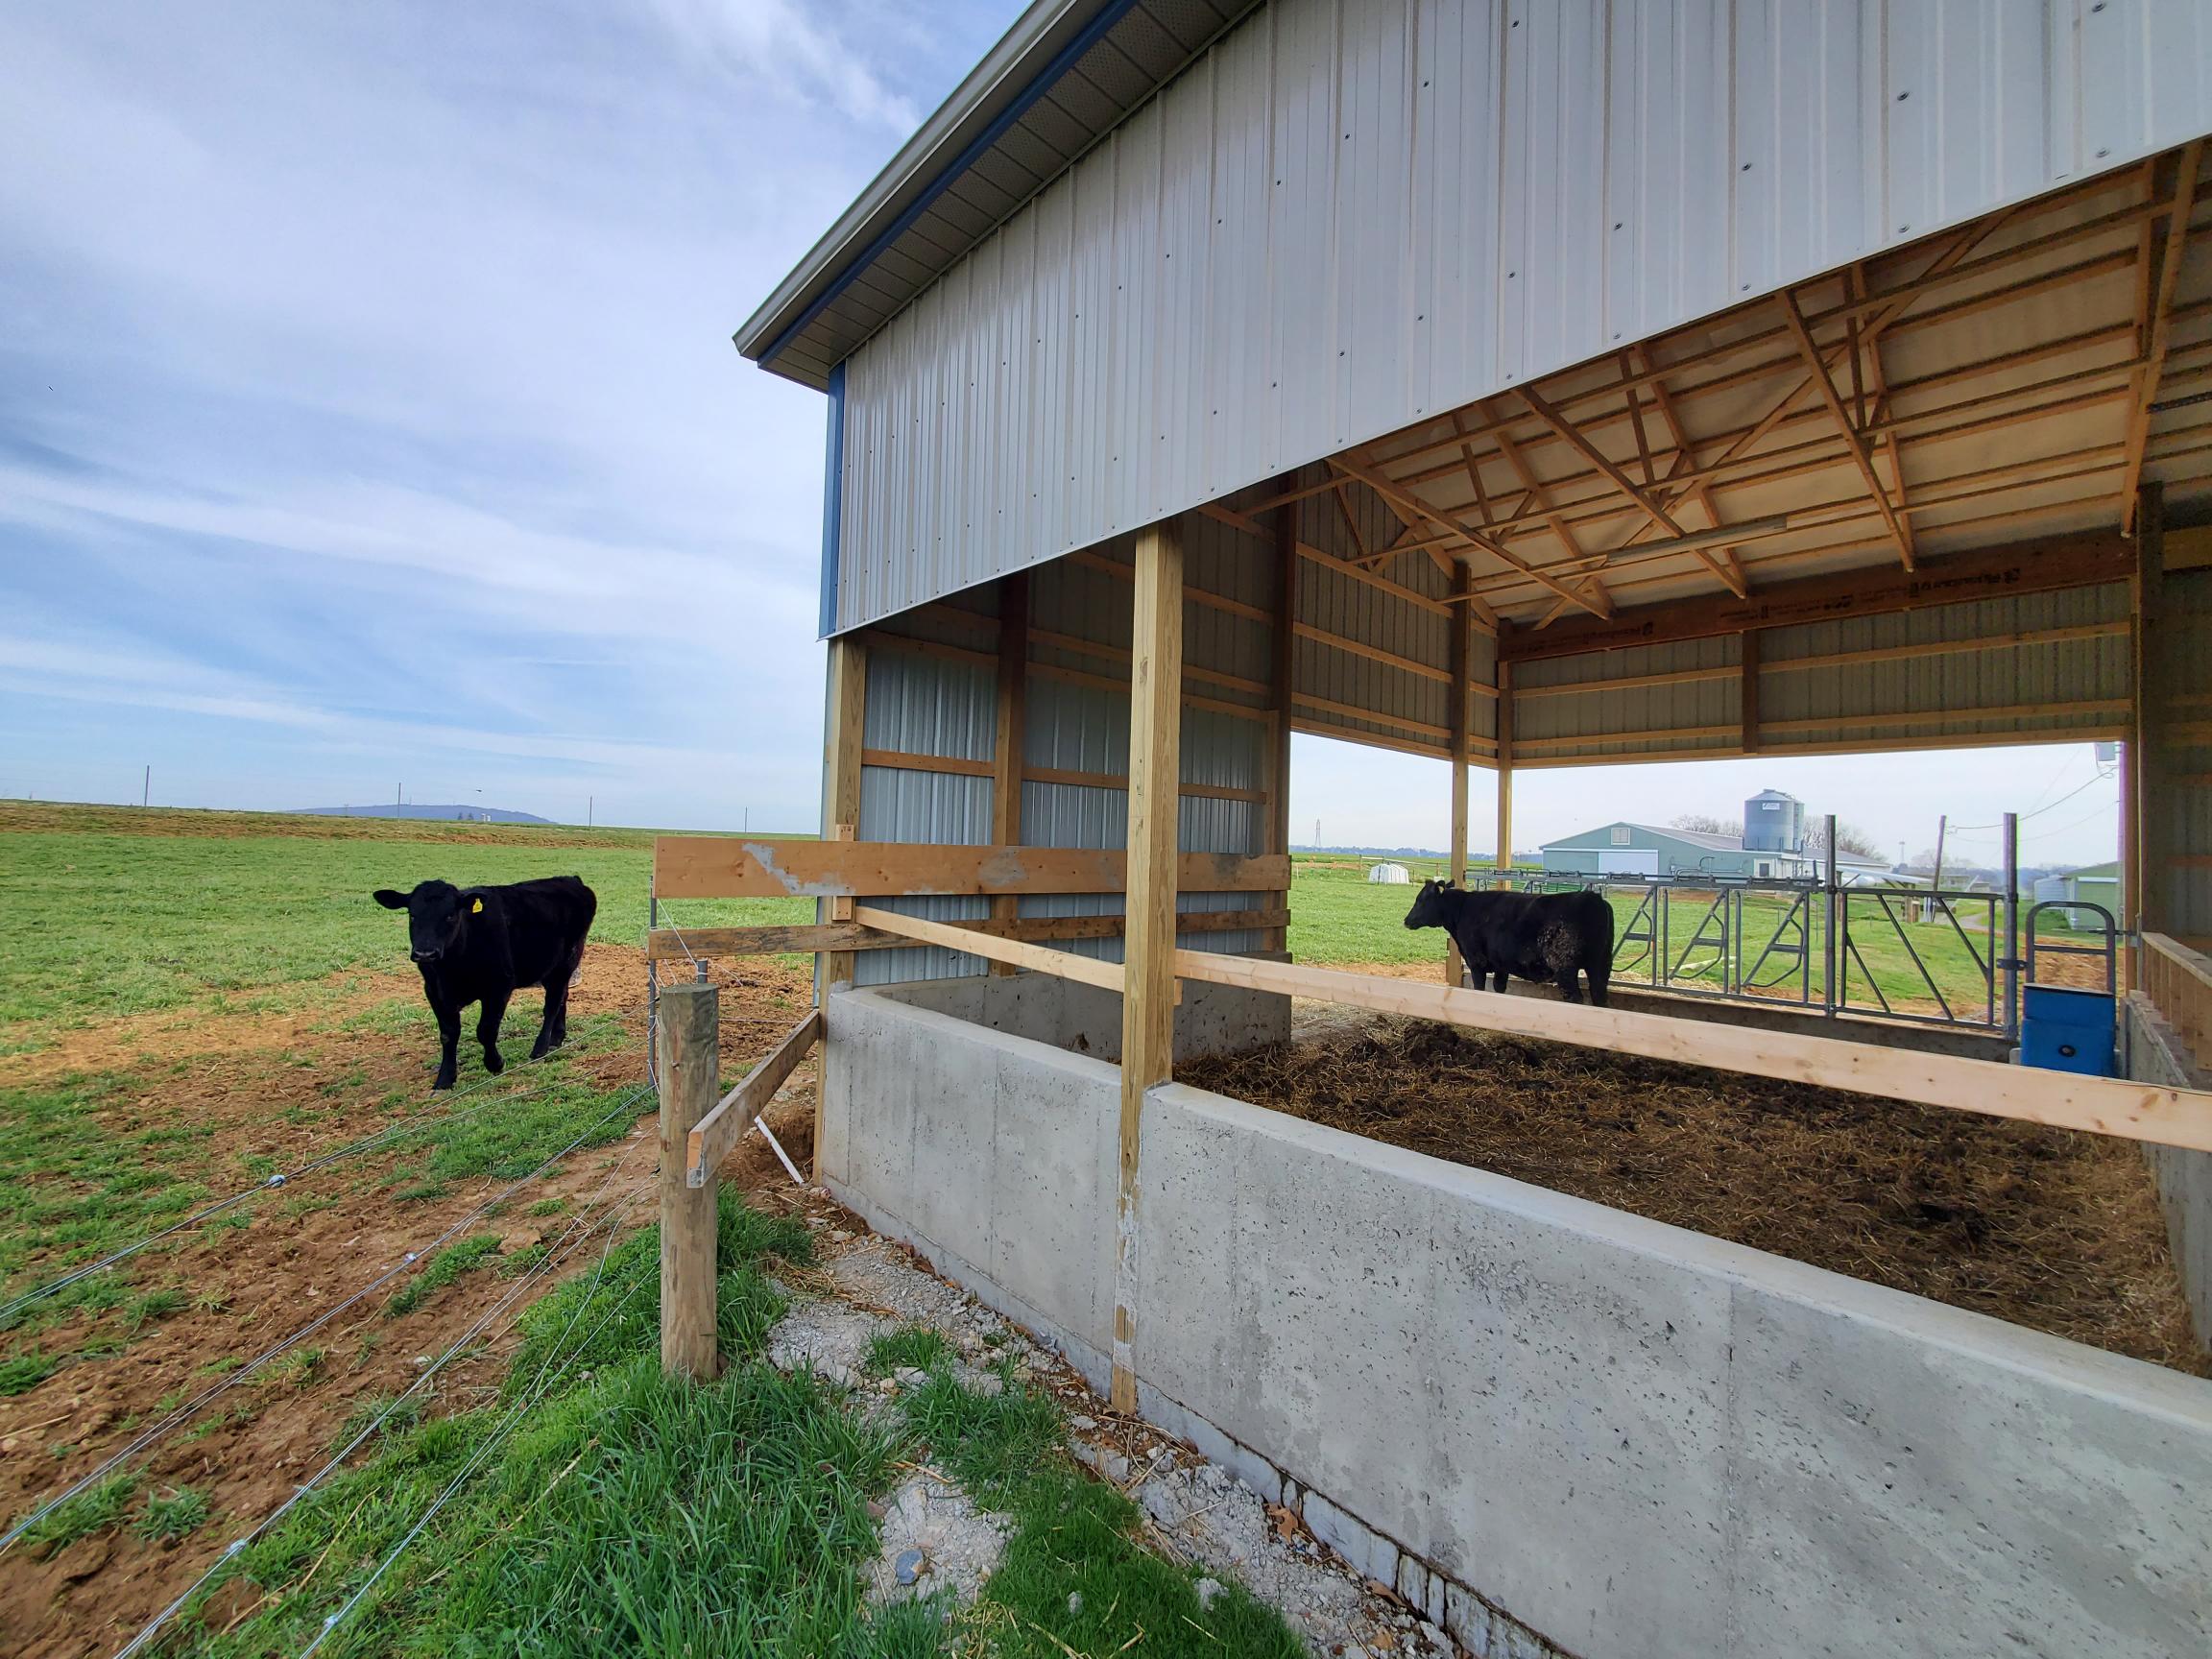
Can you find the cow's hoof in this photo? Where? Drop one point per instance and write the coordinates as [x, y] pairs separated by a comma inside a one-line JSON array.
[[493, 1064], [445, 1081]]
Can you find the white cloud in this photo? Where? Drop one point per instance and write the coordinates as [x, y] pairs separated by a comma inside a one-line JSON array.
[[772, 47]]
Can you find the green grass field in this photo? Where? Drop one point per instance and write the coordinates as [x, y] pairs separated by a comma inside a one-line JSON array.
[[115, 912], [589, 1505]]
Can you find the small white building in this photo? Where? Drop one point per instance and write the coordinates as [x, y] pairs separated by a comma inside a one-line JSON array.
[[1390, 875]]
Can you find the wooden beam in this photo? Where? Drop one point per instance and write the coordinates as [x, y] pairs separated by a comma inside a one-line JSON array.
[[715, 1136], [1282, 678], [945, 766], [2161, 330], [975, 942], [1701, 491], [1557, 526], [844, 720], [1503, 858], [1391, 491], [1878, 382], [1148, 990], [1826, 390], [1460, 711], [2087, 559], [687, 1037], [2025, 1093], [1747, 687], [1637, 495], [1008, 732], [674, 945], [732, 867], [2152, 725]]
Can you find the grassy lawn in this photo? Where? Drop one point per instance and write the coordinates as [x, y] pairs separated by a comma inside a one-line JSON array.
[[580, 1503], [115, 912], [597, 1507]]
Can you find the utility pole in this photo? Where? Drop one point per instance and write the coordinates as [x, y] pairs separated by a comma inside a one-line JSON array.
[[1935, 877], [747, 828], [1316, 834], [146, 790], [589, 804]]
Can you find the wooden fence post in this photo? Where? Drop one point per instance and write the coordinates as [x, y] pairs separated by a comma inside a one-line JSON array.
[[690, 1084]]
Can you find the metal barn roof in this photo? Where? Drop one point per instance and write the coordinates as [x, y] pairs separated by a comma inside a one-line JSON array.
[[1063, 76]]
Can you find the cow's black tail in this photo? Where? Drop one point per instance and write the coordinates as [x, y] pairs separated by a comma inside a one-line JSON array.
[[1599, 962]]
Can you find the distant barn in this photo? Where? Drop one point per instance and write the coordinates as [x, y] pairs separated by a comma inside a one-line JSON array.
[[1390, 875]]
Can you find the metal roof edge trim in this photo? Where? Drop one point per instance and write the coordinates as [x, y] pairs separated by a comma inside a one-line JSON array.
[[917, 167]]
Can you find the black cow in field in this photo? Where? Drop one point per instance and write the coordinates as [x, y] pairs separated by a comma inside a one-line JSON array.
[[1541, 936], [481, 944]]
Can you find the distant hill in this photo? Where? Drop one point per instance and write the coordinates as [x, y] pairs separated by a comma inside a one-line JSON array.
[[454, 814]]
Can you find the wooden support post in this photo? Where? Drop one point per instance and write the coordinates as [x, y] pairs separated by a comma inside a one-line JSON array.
[[1748, 704], [1006, 753], [1461, 697], [843, 719], [2152, 693], [1282, 679], [1504, 853], [689, 1085], [1148, 966]]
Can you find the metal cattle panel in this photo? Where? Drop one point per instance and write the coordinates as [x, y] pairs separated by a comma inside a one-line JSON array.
[[1343, 217]]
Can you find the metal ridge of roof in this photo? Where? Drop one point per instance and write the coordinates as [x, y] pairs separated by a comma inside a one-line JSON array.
[[1009, 72]]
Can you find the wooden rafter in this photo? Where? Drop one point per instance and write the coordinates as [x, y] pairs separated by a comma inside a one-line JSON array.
[[1825, 386], [1701, 491], [1627, 486], [1596, 603], [1350, 521], [1557, 526], [1873, 382], [2161, 330]]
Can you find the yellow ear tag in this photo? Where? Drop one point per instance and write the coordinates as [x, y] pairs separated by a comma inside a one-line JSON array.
[[478, 908]]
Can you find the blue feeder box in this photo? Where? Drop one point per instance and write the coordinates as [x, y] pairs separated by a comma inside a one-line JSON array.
[[2067, 1031]]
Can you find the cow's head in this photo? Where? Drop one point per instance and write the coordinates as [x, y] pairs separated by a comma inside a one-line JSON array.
[[437, 911], [1429, 904]]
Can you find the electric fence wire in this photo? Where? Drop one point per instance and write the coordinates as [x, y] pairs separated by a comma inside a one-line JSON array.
[[282, 1178], [557, 1256], [551, 1372], [229, 1378]]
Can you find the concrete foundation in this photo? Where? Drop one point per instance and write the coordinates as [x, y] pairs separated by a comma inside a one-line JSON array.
[[1210, 1020], [1531, 1413], [2155, 1053]]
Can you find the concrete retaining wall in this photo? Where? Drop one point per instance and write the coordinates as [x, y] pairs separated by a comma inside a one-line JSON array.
[[1210, 1021], [1536, 1414], [2155, 1054]]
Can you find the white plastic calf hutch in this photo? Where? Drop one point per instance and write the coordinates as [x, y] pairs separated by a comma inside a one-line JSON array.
[[1521, 385]]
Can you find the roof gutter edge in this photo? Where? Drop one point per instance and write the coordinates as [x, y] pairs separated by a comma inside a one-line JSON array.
[[1004, 74]]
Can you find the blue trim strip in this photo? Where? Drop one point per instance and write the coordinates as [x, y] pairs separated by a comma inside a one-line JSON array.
[[1061, 63], [833, 499]]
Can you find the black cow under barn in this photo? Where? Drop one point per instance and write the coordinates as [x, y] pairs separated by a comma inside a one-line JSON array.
[[1541, 936], [483, 944]]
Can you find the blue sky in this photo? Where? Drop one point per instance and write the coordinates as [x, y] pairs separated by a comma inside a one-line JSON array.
[[369, 418]]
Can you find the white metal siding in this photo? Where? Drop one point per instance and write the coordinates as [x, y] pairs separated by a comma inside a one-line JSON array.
[[1347, 215]]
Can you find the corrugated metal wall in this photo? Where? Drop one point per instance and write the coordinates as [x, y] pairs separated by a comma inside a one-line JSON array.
[[1077, 720], [1347, 215], [2041, 690], [2183, 790]]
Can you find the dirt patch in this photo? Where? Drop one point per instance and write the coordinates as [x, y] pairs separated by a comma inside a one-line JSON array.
[[287, 1087], [2049, 1229]]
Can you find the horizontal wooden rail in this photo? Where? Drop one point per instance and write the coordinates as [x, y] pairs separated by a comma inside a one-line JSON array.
[[807, 939], [714, 1135], [2062, 1099], [735, 866], [1042, 958]]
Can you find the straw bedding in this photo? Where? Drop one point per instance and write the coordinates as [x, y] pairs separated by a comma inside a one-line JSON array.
[[2049, 1229]]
